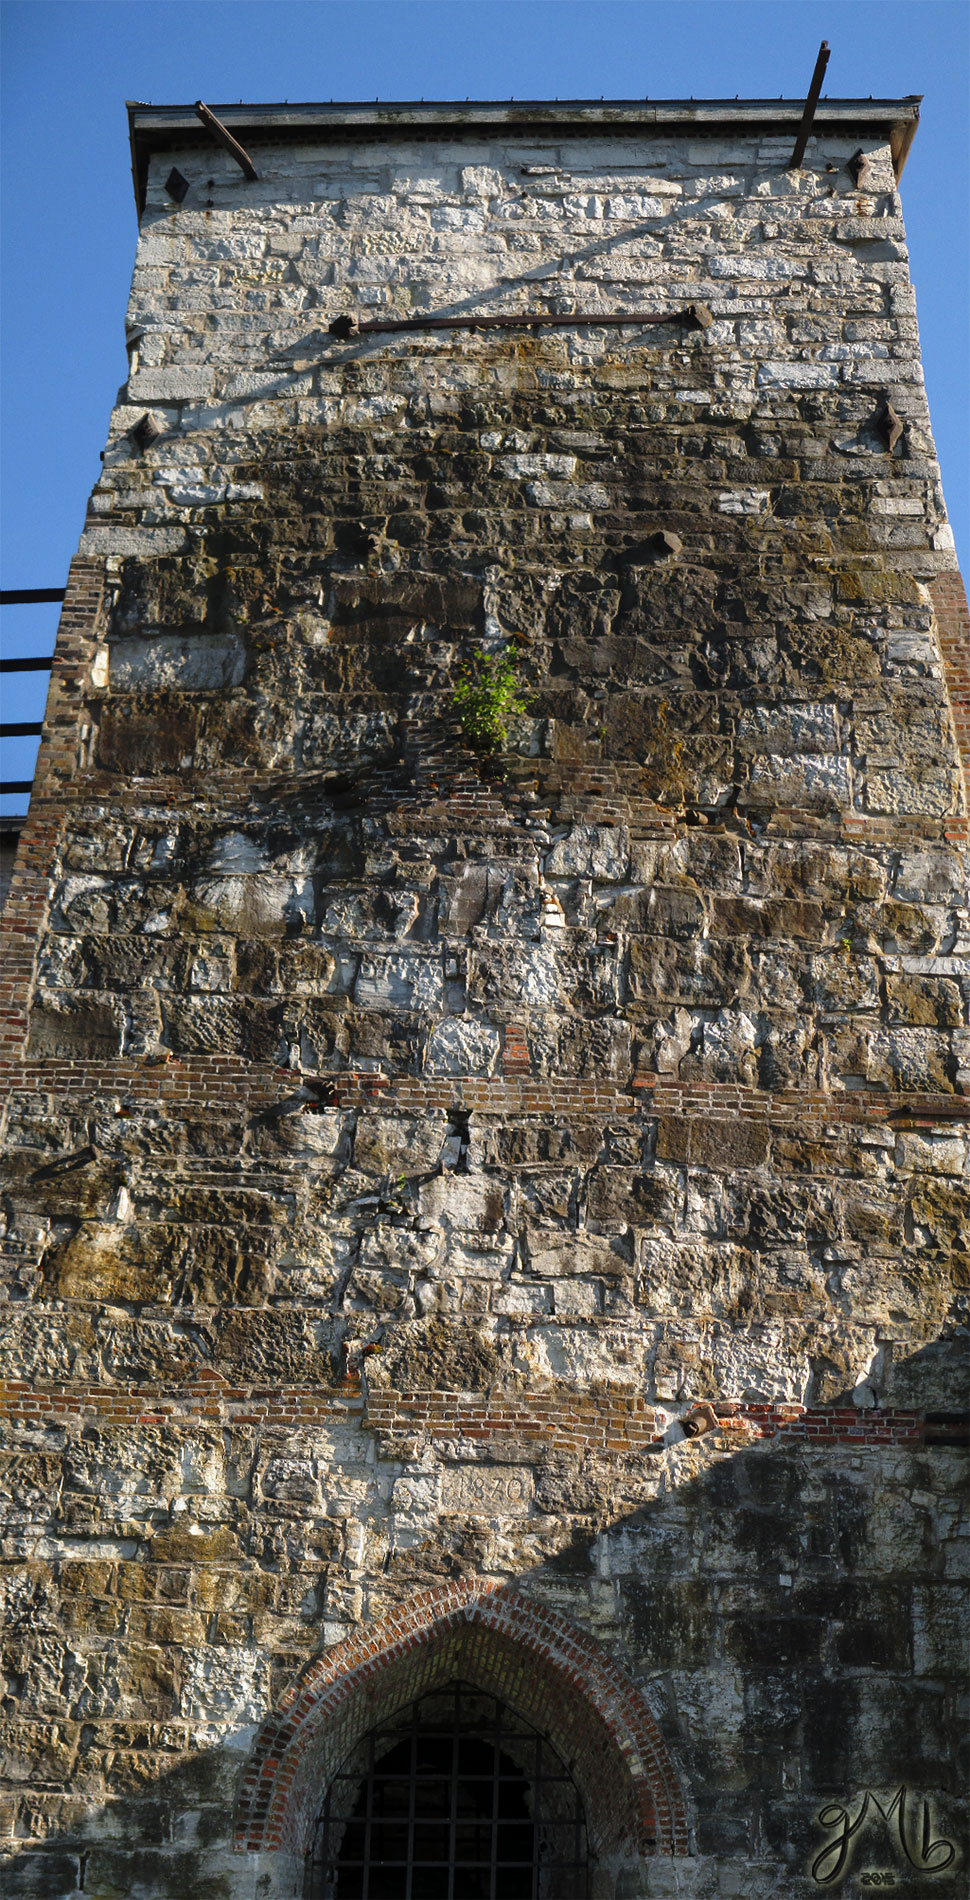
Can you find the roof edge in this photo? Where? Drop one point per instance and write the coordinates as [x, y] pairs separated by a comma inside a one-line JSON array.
[[155, 128]]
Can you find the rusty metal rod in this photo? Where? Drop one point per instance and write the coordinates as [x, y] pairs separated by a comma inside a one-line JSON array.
[[697, 315], [224, 136], [40, 665], [811, 102], [20, 728]]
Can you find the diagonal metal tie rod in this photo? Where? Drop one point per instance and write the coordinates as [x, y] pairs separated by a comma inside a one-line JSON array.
[[801, 139], [224, 136]]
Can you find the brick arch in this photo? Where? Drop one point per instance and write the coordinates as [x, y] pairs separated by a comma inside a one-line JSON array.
[[547, 1669]]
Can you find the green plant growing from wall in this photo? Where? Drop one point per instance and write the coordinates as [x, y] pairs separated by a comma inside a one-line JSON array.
[[488, 695]]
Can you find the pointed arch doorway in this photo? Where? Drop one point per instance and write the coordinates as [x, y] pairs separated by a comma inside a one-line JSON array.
[[456, 1798], [537, 1672]]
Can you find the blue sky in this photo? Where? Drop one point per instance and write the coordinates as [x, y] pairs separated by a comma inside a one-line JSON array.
[[69, 224]]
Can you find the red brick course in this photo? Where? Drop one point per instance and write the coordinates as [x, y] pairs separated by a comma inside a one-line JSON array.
[[617, 1422], [949, 599], [214, 1080]]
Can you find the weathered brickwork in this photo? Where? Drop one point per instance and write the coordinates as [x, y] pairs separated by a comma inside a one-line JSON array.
[[497, 1217]]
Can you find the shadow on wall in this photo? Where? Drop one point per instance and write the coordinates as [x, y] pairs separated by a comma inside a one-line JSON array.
[[785, 1651]]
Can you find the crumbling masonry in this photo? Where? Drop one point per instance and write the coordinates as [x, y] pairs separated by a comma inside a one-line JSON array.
[[485, 1232]]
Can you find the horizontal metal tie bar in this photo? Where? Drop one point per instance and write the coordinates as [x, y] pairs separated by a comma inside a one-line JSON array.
[[42, 664], [695, 315], [20, 728], [15, 785], [29, 596]]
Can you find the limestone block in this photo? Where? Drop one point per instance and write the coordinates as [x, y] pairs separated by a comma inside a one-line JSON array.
[[469, 1203], [777, 374], [552, 1256], [213, 970], [394, 1145], [591, 851], [197, 494], [405, 982], [930, 874], [170, 385], [630, 207], [418, 1495], [225, 1685], [292, 1479], [929, 998], [492, 1494], [932, 1154], [938, 1632], [726, 1051], [460, 1046], [618, 1197], [805, 728], [587, 495], [328, 740], [563, 466], [917, 727], [844, 980], [931, 789], [910, 1059], [196, 663], [815, 781], [540, 975], [934, 1375], [142, 542], [358, 914], [567, 1047], [766, 268], [256, 904], [75, 1027]]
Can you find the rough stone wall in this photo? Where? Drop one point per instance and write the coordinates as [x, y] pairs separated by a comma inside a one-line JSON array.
[[400, 1144]]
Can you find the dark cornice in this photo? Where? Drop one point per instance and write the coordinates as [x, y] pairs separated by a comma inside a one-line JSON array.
[[169, 128]]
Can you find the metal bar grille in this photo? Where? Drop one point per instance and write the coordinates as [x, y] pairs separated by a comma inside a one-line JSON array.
[[456, 1799]]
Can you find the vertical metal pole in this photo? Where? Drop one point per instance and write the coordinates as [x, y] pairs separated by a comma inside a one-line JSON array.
[[412, 1801], [369, 1814], [536, 1818], [453, 1816], [496, 1790], [323, 1883]]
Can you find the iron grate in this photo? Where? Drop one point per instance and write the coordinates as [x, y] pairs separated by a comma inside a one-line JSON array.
[[456, 1798]]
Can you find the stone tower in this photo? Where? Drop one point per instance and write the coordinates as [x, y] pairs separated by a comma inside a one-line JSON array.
[[485, 1228]]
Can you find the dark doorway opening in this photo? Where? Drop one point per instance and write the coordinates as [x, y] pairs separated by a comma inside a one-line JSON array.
[[455, 1798]]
